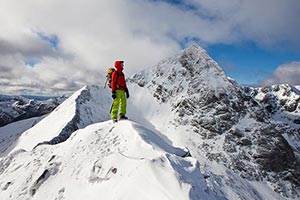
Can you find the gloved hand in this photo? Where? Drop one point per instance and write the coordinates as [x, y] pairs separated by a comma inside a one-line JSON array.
[[127, 93], [114, 95]]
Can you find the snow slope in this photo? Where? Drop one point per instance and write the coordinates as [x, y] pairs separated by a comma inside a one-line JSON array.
[[107, 161], [86, 106], [10, 133]]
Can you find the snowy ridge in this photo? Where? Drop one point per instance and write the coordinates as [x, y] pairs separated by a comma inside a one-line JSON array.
[[83, 108], [111, 161]]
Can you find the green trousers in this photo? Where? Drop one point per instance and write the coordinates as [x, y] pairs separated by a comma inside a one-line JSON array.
[[120, 101]]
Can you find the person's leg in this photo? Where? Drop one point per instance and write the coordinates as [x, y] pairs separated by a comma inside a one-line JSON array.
[[123, 103], [115, 107]]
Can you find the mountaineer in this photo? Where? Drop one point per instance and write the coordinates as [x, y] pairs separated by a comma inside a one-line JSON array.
[[119, 92]]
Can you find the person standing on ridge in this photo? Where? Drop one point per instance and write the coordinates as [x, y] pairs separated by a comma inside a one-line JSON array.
[[119, 92]]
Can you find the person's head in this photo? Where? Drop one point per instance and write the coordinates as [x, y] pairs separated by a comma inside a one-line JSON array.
[[119, 65]]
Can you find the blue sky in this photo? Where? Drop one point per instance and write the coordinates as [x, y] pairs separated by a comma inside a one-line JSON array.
[[249, 64], [52, 40], [69, 44]]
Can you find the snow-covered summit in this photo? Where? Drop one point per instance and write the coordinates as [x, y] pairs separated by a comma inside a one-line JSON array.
[[190, 71], [107, 161]]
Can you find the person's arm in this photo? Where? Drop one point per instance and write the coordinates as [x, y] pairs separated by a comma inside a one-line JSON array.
[[113, 84], [126, 89]]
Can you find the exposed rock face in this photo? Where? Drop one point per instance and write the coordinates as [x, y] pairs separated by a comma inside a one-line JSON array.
[[255, 144], [282, 101], [15, 108]]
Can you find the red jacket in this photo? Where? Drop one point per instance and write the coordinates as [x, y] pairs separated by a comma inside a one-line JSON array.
[[118, 81]]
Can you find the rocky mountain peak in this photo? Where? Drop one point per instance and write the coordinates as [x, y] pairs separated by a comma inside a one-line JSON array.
[[191, 71], [195, 52], [207, 103]]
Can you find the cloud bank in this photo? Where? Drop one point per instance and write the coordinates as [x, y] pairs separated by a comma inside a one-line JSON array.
[[286, 73], [73, 42]]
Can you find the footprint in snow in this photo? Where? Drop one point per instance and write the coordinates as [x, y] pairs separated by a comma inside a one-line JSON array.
[[100, 173]]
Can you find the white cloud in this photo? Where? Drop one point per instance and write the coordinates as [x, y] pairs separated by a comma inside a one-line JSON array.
[[93, 34], [267, 22], [286, 73]]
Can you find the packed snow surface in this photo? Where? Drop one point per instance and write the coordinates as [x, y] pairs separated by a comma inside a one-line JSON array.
[[107, 161]]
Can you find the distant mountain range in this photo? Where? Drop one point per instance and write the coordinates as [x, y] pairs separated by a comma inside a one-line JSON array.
[[15, 108]]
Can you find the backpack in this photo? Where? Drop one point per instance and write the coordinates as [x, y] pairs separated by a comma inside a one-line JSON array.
[[108, 77]]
